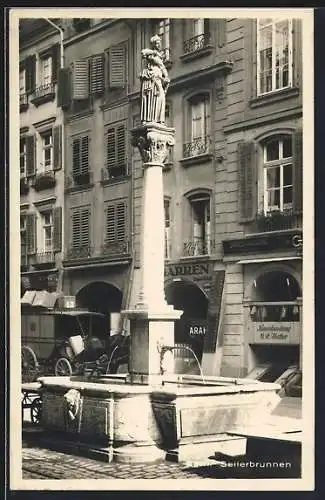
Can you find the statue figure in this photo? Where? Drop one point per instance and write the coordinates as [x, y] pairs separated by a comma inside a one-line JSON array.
[[154, 83]]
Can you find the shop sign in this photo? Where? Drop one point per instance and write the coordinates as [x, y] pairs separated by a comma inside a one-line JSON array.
[[196, 329], [187, 269], [276, 333]]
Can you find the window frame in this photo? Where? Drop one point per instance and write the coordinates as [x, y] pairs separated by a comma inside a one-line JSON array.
[[23, 155], [22, 76], [281, 162], [204, 241], [45, 226], [41, 70], [162, 27], [273, 90], [42, 167], [118, 164]]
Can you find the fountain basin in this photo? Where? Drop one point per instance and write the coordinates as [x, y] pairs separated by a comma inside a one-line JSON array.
[[179, 419]]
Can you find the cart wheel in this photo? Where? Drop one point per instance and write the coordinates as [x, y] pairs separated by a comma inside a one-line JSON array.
[[36, 410], [63, 367], [29, 364]]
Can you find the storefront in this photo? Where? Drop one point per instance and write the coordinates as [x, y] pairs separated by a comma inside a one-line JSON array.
[[195, 288]]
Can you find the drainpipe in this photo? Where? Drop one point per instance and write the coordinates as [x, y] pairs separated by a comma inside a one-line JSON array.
[[60, 30]]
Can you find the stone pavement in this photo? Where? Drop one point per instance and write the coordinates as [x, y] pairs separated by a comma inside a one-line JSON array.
[[41, 463]]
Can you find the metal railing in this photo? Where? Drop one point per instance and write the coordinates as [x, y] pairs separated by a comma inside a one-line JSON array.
[[43, 90], [80, 252], [196, 43], [276, 221], [199, 146], [78, 180], [118, 172], [108, 249], [23, 99], [116, 247], [197, 246], [47, 257]]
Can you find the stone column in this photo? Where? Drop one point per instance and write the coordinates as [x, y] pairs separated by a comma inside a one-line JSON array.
[[152, 320]]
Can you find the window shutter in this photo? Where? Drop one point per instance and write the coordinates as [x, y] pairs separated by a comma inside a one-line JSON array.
[[206, 26], [247, 180], [30, 155], [117, 65], [31, 233], [57, 229], [221, 32], [80, 79], [298, 171], [121, 221], [30, 73], [97, 74], [110, 223], [55, 54], [84, 147], [121, 145], [57, 147], [76, 157], [64, 87], [80, 228], [110, 148], [84, 227]]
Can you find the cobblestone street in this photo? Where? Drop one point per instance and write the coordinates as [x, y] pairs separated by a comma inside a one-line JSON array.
[[41, 463]]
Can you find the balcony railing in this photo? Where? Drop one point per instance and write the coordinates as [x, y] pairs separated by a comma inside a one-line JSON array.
[[43, 93], [113, 173], [108, 249], [276, 221], [199, 146], [44, 258], [78, 181], [197, 246], [117, 247], [196, 43], [44, 180]]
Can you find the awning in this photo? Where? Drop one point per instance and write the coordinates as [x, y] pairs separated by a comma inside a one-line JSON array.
[[270, 259], [41, 298]]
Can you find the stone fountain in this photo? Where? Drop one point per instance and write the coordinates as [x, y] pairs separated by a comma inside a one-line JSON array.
[[151, 413]]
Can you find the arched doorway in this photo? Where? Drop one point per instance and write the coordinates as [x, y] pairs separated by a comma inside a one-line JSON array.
[[274, 324], [100, 297], [191, 327]]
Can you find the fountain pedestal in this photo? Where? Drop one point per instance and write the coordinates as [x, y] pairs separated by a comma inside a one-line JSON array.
[[152, 320]]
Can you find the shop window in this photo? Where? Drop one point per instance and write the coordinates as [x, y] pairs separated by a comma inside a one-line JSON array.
[[200, 230], [198, 126], [278, 175], [274, 55]]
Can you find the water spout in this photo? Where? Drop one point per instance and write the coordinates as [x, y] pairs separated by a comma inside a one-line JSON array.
[[163, 349], [111, 359]]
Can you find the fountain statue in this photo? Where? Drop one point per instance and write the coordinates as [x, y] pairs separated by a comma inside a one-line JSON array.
[[151, 413]]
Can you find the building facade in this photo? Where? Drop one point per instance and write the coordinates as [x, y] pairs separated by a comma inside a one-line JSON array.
[[232, 183], [41, 167]]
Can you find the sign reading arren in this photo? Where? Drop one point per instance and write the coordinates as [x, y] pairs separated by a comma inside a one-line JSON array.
[[186, 269]]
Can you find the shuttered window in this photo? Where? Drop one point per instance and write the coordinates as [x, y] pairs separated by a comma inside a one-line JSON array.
[[80, 227], [30, 155], [117, 66], [97, 74], [247, 176], [116, 226], [57, 229], [57, 147], [30, 67], [64, 87], [116, 162], [31, 233], [80, 79], [80, 160]]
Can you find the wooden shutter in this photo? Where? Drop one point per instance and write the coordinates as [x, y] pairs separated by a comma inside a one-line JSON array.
[[30, 73], [221, 32], [110, 148], [117, 65], [247, 180], [76, 159], [214, 311], [30, 155], [55, 55], [80, 227], [110, 223], [120, 221], [80, 79], [297, 171], [57, 147], [64, 87], [84, 155], [97, 74], [120, 142], [31, 233], [57, 229]]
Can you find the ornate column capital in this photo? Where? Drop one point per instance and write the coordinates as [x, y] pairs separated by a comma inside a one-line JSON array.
[[153, 141]]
